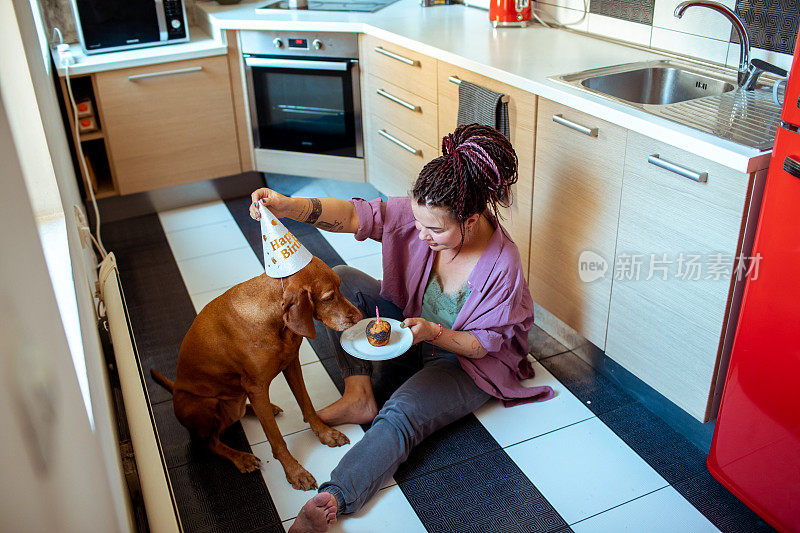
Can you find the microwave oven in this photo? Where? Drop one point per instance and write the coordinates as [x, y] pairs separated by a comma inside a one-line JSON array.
[[111, 25]]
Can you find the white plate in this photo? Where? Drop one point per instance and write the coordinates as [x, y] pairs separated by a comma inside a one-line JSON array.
[[354, 341]]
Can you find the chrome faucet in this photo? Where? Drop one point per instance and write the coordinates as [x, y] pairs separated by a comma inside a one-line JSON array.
[[744, 51]]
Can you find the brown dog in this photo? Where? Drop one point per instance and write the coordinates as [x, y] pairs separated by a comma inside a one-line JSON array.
[[238, 344]]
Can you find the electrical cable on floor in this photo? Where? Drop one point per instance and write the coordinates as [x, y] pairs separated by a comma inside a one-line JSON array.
[[97, 241]]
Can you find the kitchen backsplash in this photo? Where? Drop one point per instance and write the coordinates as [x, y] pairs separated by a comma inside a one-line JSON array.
[[640, 11], [58, 14], [771, 24]]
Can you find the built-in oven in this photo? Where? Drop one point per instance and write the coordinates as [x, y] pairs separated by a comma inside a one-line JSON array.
[[305, 103]]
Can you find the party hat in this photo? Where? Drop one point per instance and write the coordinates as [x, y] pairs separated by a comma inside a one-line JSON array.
[[283, 253]]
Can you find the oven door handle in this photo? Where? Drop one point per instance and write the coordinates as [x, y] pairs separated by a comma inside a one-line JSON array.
[[340, 66]]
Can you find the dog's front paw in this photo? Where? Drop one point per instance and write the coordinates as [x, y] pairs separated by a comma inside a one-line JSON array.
[[332, 437], [247, 462], [301, 479]]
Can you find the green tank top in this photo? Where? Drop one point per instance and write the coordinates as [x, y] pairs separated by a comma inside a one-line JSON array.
[[439, 306]]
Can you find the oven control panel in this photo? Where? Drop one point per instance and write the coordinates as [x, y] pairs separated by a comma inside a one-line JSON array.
[[286, 43]]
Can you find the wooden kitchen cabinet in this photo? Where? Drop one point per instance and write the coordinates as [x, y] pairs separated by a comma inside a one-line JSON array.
[[404, 67], [576, 199], [403, 109], [170, 123], [400, 125], [396, 158], [522, 118], [668, 332]]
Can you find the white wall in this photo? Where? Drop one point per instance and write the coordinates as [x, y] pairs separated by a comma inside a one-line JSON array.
[[52, 479], [17, 92], [27, 94]]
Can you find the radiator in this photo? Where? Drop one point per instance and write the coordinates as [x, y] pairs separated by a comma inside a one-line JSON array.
[[162, 515]]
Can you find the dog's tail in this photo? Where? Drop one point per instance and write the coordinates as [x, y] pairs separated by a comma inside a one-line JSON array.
[[161, 380]]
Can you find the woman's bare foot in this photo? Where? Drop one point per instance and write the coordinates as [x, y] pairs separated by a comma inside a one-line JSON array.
[[356, 406], [317, 515], [349, 411]]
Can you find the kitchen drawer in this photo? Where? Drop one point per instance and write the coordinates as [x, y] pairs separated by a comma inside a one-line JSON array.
[[522, 119], [413, 114], [723, 194], [521, 104], [576, 193], [393, 168], [405, 68], [667, 329], [170, 123]]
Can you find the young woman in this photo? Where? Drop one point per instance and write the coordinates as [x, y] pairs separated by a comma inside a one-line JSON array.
[[454, 277]]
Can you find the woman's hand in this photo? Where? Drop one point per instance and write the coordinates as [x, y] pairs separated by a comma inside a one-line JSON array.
[[423, 330], [279, 204]]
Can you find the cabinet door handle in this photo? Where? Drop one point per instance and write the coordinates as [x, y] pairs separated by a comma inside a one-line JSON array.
[[397, 100], [399, 143], [591, 132], [164, 73], [457, 81], [792, 166], [267, 62], [387, 53], [700, 177]]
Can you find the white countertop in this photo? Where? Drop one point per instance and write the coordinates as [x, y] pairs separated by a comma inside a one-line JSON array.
[[200, 44], [461, 35]]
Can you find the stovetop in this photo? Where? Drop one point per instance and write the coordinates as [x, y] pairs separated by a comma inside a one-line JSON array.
[[369, 6]]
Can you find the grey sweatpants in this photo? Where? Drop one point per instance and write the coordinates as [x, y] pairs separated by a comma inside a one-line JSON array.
[[437, 393]]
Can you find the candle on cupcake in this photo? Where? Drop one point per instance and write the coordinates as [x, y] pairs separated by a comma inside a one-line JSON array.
[[378, 330]]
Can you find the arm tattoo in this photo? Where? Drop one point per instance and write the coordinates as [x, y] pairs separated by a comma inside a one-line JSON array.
[[316, 211], [476, 347], [304, 213], [330, 226]]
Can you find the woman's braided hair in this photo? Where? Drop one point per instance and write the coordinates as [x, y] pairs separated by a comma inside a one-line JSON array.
[[475, 172]]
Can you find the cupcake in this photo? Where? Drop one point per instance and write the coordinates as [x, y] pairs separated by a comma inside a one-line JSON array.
[[378, 332]]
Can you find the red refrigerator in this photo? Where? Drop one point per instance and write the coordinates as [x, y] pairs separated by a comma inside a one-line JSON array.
[[755, 451]]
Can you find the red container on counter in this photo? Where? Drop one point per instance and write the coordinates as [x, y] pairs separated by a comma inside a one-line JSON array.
[[514, 13]]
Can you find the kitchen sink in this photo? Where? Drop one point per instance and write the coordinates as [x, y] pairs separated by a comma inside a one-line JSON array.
[[704, 98], [656, 85]]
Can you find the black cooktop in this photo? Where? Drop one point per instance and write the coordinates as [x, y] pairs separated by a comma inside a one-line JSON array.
[[328, 5]]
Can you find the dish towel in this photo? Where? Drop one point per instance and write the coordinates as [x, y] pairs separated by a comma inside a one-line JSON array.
[[479, 104]]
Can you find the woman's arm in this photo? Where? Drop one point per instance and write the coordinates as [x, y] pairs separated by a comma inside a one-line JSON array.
[[329, 214], [459, 342]]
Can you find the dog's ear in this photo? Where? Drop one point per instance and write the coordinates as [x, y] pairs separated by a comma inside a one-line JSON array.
[[298, 312]]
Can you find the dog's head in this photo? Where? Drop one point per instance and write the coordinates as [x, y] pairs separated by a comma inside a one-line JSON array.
[[314, 293]]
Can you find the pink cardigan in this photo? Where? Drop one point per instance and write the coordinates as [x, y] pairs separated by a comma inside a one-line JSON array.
[[498, 311]]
